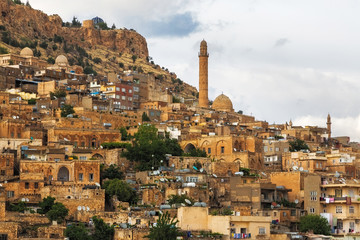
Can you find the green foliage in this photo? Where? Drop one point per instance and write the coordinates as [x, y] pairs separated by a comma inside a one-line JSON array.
[[5, 37], [18, 2], [165, 228], [54, 47], [97, 60], [178, 199], [124, 134], [111, 172], [277, 137], [145, 117], [113, 26], [77, 232], [121, 189], [102, 230], [286, 203], [46, 204], [58, 212], [32, 101], [316, 223], [223, 211], [28, 4], [58, 93], [58, 39], [75, 22], [121, 65], [89, 70], [298, 145], [37, 53], [19, 207], [196, 152], [4, 50], [134, 57], [176, 100], [43, 45], [66, 110], [113, 145], [102, 26], [51, 60], [149, 149]]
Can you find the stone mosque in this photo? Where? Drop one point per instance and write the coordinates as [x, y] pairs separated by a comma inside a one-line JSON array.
[[222, 103]]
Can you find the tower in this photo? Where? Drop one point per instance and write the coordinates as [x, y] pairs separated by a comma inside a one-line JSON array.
[[328, 124], [203, 75]]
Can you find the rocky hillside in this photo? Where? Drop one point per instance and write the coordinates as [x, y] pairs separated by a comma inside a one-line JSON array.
[[96, 50]]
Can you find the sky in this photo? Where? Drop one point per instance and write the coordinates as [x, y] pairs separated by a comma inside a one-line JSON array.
[[276, 60]]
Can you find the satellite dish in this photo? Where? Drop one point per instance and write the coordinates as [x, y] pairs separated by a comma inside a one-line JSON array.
[[183, 205], [97, 184], [188, 201], [79, 208], [83, 208], [264, 174], [32, 157], [214, 175], [272, 206], [301, 169], [23, 199], [296, 201], [337, 174], [26, 199], [354, 180], [295, 168], [201, 170], [87, 209]]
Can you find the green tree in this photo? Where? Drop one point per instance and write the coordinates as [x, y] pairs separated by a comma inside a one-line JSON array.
[[3, 50], [165, 229], [124, 134], [19, 207], [111, 172], [113, 26], [66, 110], [77, 232], [173, 199], [298, 145], [134, 57], [43, 45], [121, 189], [75, 22], [97, 60], [58, 212], [315, 223], [51, 60], [196, 152], [46, 204], [145, 117], [148, 149], [102, 231], [58, 93], [103, 26], [32, 101]]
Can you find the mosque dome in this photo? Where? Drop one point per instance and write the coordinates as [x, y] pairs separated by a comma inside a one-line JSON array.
[[27, 52], [223, 103], [61, 60]]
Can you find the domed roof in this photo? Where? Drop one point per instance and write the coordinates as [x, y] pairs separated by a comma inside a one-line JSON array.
[[61, 60], [27, 52], [203, 43], [223, 103]]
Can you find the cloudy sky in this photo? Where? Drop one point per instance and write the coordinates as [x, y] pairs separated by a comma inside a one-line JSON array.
[[277, 60]]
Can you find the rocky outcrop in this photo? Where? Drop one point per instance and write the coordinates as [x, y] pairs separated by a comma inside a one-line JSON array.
[[25, 22]]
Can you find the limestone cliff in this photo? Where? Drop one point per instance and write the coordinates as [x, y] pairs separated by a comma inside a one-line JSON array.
[[102, 50]]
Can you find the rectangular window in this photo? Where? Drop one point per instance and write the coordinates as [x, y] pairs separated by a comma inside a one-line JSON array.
[[312, 210], [27, 185], [338, 193], [338, 209], [91, 177], [123, 90], [2, 172], [192, 179], [265, 148], [209, 150], [117, 89], [123, 97], [10, 194], [83, 157], [138, 221], [351, 209], [222, 149], [36, 185], [7, 162], [352, 226], [130, 91], [81, 176], [262, 231], [293, 212]]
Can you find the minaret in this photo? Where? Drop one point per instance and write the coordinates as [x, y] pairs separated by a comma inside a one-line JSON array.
[[328, 124], [203, 75]]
